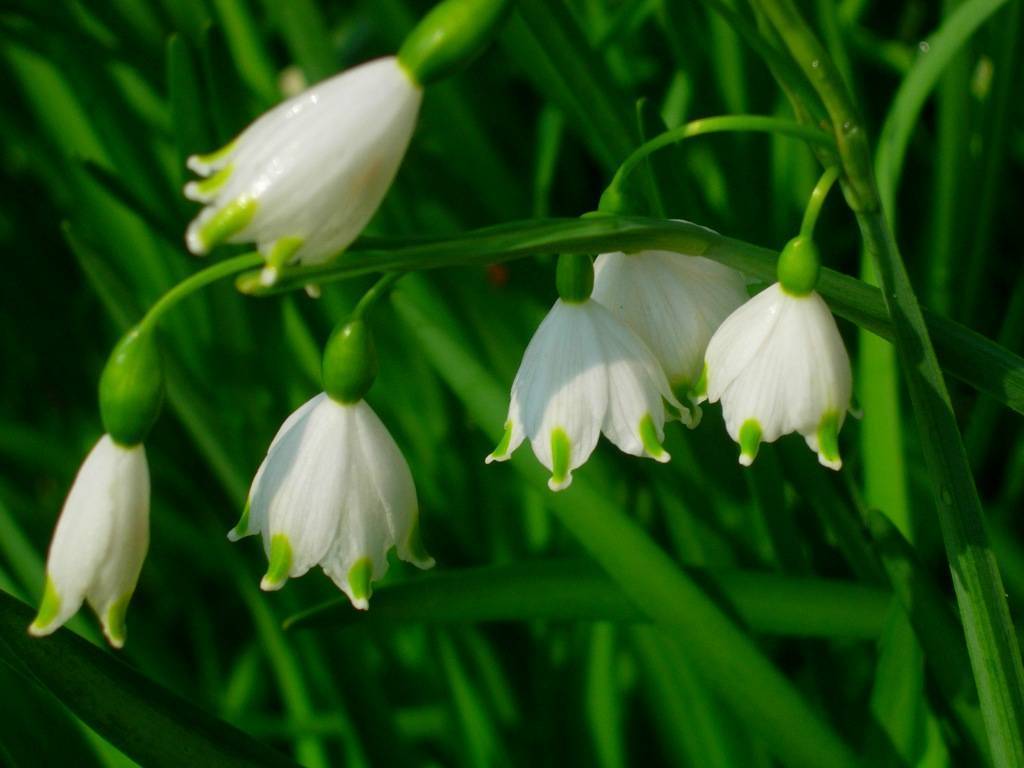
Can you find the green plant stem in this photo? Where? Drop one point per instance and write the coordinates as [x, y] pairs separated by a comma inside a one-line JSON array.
[[721, 124], [817, 200], [194, 282], [376, 292], [991, 639]]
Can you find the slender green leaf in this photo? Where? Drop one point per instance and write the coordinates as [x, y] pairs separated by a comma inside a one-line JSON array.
[[147, 722], [967, 355]]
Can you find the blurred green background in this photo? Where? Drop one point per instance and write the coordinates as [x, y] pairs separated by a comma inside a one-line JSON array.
[[104, 100]]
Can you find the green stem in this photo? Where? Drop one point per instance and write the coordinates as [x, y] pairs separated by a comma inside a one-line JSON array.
[[991, 639], [709, 125], [817, 200], [376, 292], [194, 282]]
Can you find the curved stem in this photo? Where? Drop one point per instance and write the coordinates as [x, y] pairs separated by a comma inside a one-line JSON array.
[[818, 195], [376, 292], [194, 282], [719, 124]]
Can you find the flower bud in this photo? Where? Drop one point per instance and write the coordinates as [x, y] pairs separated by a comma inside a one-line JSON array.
[[350, 362], [448, 37], [799, 266], [132, 387]]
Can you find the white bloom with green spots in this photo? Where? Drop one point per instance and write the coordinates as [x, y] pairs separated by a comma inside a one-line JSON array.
[[585, 373], [100, 541], [303, 180], [335, 491], [673, 302], [779, 365]]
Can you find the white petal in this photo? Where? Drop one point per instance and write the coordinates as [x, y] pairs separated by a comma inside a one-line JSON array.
[[635, 382], [319, 165], [300, 491], [101, 538], [780, 360], [674, 302]]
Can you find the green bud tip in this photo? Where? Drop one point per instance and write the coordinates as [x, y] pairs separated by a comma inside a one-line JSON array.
[[359, 578], [414, 550], [828, 441], [49, 608], [221, 226], [280, 254], [350, 362], [649, 439], [132, 387], [799, 266], [280, 563], [561, 455], [750, 441], [500, 452], [574, 277], [114, 621], [241, 529]]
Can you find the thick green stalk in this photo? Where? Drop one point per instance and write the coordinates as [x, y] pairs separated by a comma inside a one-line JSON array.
[[991, 640]]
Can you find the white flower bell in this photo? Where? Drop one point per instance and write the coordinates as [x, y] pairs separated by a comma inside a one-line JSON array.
[[674, 302], [779, 365], [304, 179], [100, 541], [585, 373], [335, 491]]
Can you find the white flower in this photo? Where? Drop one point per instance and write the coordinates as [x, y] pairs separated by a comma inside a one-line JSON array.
[[585, 373], [673, 302], [305, 178], [100, 541], [778, 364], [334, 490]]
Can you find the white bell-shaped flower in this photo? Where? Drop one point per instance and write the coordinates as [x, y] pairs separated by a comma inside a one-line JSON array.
[[100, 541], [305, 178], [778, 364], [335, 491], [585, 373], [673, 302]]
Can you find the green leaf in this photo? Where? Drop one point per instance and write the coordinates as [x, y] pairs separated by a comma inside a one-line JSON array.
[[147, 722], [578, 591], [968, 355]]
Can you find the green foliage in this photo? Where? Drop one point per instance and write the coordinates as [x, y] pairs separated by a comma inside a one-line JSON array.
[[684, 614]]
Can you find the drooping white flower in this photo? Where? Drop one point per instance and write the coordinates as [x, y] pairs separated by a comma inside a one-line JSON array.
[[305, 178], [335, 491], [100, 541], [585, 373], [673, 302], [778, 364]]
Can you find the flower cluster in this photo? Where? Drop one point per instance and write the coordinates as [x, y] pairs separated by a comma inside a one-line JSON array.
[[633, 342], [659, 328]]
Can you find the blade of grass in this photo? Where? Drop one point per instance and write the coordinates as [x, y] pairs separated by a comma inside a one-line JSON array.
[[576, 590], [991, 638], [967, 355], [147, 722]]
